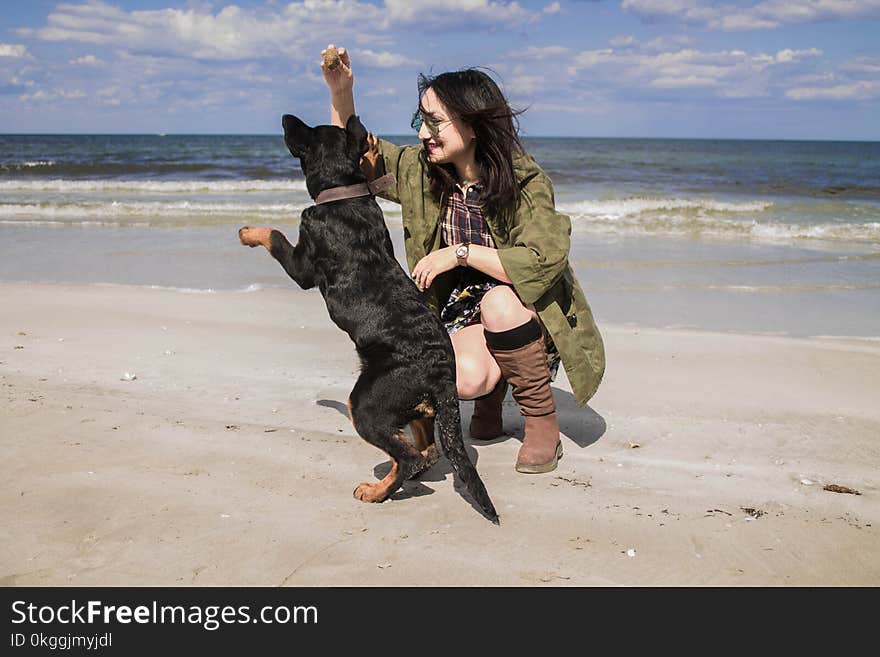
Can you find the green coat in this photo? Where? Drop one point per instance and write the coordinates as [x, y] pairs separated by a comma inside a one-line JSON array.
[[533, 250]]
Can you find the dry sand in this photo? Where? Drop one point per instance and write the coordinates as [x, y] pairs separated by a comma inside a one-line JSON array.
[[229, 459]]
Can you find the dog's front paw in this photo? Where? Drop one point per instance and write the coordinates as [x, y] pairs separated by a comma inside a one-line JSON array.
[[243, 236], [252, 237]]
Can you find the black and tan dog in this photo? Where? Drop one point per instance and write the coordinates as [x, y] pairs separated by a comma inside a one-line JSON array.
[[407, 363]]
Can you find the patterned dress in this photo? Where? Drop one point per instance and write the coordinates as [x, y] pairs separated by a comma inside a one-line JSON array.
[[463, 221]]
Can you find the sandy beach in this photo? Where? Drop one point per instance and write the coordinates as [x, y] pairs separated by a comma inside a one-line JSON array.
[[156, 437]]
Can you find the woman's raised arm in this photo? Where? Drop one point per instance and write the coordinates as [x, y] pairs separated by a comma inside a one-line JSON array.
[[341, 81]]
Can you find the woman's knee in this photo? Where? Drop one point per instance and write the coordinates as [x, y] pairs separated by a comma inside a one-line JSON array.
[[471, 376], [502, 310]]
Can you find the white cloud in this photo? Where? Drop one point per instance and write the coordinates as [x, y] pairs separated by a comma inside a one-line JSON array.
[[536, 52], [292, 30], [760, 15], [553, 8], [858, 90], [231, 33], [383, 59], [12, 50], [632, 69], [664, 43], [380, 91], [47, 96], [435, 14], [686, 67], [525, 84], [863, 65], [37, 95], [683, 81], [86, 60], [788, 55], [572, 106], [622, 41]]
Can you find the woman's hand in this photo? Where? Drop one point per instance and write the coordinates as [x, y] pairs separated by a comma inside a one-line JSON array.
[[370, 159], [432, 265], [341, 79]]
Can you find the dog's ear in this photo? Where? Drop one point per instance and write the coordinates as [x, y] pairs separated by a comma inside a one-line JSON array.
[[356, 135], [297, 135]]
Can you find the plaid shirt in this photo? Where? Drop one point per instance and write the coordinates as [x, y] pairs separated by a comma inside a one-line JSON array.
[[463, 219]]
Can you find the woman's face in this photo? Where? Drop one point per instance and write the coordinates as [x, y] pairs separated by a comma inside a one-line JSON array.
[[455, 138]]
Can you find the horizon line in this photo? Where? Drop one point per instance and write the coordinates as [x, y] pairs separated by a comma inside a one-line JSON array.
[[391, 134]]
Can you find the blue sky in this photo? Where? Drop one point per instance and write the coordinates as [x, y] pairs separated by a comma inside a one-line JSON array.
[[787, 69]]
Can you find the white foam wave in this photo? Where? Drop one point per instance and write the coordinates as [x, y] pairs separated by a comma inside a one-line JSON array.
[[140, 209], [86, 224], [705, 217], [613, 209], [858, 232], [253, 287], [113, 212], [152, 186], [169, 288], [732, 229], [12, 166]]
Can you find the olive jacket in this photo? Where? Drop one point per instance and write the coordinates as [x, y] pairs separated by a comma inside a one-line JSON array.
[[533, 246]]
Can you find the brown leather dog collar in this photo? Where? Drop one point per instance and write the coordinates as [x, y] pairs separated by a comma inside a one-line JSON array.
[[353, 191]]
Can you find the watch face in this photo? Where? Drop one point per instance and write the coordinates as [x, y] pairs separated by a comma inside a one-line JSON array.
[[461, 251]]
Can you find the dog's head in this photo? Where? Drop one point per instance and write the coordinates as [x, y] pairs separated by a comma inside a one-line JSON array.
[[329, 155]]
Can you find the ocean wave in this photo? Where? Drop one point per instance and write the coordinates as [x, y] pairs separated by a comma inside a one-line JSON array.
[[684, 217], [252, 287], [140, 209], [868, 232], [738, 262], [159, 213], [628, 207], [84, 224], [804, 287], [152, 186], [19, 166], [125, 167]]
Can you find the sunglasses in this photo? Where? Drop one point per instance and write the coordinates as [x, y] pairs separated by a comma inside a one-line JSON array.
[[418, 118]]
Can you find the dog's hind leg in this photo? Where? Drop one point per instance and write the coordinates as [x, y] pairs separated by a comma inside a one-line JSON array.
[[423, 437], [382, 490], [422, 430], [381, 425], [423, 427]]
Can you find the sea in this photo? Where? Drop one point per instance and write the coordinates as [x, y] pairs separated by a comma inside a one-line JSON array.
[[754, 236]]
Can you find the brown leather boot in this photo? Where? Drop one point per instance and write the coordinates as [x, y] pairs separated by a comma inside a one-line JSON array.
[[525, 368], [486, 418]]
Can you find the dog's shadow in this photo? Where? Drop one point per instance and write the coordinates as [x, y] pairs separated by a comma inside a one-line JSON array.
[[412, 487], [583, 426]]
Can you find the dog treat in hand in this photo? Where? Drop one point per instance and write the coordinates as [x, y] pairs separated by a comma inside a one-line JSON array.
[[331, 58]]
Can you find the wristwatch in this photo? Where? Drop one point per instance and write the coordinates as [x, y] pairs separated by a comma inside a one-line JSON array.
[[462, 252]]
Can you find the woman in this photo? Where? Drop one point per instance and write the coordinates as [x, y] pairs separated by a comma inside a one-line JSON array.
[[484, 241]]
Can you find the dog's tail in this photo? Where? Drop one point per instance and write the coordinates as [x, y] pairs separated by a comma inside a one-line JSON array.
[[449, 433]]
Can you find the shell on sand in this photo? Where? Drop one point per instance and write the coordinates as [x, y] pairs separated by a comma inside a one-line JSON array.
[[331, 59]]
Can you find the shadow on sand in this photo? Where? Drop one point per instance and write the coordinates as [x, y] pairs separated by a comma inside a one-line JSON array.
[[582, 425]]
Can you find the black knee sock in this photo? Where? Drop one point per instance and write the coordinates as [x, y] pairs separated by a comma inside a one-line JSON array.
[[514, 338]]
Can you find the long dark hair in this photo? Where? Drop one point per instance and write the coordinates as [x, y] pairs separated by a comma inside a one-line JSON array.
[[474, 97]]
